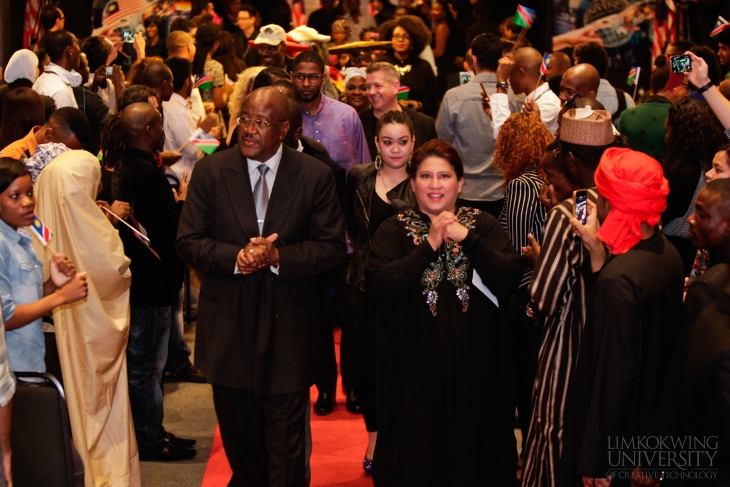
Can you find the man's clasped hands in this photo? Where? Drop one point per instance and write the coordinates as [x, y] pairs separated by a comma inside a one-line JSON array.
[[259, 253]]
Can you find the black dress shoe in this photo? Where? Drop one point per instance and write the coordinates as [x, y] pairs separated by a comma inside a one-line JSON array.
[[353, 403], [167, 453], [325, 404], [186, 374], [179, 442]]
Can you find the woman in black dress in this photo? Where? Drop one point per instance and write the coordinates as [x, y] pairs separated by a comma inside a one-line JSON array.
[[375, 192], [410, 36], [442, 276]]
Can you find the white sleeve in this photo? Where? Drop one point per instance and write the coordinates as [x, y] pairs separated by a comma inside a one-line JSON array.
[[500, 111]]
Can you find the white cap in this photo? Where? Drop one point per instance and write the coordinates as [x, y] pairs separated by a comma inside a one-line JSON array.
[[307, 35], [271, 34]]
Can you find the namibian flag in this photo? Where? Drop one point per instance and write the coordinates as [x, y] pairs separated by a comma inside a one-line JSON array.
[[42, 232], [545, 61], [633, 76], [204, 142], [403, 92], [720, 26], [205, 82], [145, 241], [525, 17]]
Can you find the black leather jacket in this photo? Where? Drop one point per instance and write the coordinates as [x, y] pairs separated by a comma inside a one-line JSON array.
[[358, 198]]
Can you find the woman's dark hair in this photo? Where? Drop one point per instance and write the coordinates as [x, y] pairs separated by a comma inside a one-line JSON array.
[[695, 136], [714, 70], [181, 23], [134, 77], [394, 116], [659, 79], [420, 34], [23, 109], [41, 53], [10, 170], [135, 94], [226, 55], [159, 22], [267, 76], [445, 5], [206, 37], [594, 54], [96, 52], [436, 148]]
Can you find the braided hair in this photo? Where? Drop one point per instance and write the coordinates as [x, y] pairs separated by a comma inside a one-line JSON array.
[[112, 140]]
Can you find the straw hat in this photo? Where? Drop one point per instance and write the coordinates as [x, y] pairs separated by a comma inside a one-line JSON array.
[[585, 126]]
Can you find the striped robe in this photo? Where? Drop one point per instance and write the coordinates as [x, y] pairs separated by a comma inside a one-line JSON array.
[[523, 213], [558, 292]]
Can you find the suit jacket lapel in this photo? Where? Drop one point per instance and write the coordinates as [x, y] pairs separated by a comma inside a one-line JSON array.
[[286, 186], [238, 185]]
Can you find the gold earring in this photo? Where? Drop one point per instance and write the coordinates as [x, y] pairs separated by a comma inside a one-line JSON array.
[[408, 164], [378, 162]]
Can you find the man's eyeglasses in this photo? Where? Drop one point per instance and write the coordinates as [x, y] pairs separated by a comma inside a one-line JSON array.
[[262, 124], [399, 37], [313, 78]]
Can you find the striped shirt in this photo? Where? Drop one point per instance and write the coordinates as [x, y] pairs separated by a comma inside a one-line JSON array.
[[558, 292], [522, 213]]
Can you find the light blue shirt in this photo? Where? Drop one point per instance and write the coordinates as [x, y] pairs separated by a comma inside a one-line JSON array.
[[21, 282]]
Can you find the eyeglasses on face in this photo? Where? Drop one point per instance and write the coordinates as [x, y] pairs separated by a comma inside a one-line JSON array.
[[245, 121], [401, 37], [313, 78]]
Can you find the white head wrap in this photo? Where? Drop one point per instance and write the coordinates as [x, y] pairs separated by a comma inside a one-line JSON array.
[[22, 64], [352, 72]]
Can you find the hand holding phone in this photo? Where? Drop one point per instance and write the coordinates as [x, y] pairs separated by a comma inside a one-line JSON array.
[[129, 37], [109, 71]]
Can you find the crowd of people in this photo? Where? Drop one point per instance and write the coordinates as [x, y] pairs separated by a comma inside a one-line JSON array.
[[526, 238]]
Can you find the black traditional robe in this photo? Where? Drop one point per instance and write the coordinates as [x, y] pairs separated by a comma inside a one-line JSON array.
[[445, 400], [633, 319]]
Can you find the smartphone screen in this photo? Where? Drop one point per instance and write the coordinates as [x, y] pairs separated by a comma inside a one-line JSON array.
[[681, 64], [580, 202], [129, 37], [109, 71]]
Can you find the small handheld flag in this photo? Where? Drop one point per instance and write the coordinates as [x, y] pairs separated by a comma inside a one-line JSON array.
[[720, 26], [525, 17], [403, 92], [204, 142], [545, 61], [204, 82], [633, 76], [42, 232], [141, 236]]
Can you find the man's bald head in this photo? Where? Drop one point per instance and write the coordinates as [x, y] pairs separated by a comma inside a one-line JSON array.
[[141, 125], [559, 64], [582, 79], [158, 77], [180, 44], [526, 75], [260, 141]]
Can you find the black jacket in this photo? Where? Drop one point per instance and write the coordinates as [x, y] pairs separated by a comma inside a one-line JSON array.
[[96, 111], [359, 197], [424, 128], [340, 173], [138, 180], [260, 332]]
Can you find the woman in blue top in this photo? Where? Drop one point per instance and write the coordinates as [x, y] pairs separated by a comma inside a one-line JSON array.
[[25, 297]]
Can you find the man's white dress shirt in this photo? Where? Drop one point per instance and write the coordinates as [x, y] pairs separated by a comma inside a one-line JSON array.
[[58, 83]]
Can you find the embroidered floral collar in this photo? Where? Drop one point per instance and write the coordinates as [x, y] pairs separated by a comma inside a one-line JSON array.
[[451, 258]]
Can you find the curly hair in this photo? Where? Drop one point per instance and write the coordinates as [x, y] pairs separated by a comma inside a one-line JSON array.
[[342, 24], [521, 145], [695, 135], [594, 54], [420, 34]]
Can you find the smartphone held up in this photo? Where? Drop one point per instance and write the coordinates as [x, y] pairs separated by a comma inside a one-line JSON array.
[[580, 205], [680, 64]]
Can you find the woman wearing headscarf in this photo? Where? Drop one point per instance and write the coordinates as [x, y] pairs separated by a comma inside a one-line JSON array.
[[92, 335], [21, 72]]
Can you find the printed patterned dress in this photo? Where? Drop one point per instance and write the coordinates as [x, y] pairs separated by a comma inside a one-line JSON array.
[[445, 400]]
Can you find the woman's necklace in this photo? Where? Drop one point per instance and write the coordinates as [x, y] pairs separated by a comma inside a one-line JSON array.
[[385, 182]]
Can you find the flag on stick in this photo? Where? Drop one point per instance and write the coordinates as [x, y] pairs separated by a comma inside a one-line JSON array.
[[204, 142], [525, 17], [141, 236], [545, 61], [204, 82], [633, 76], [720, 26], [42, 232]]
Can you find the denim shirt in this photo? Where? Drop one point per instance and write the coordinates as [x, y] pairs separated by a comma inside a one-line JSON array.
[[21, 282]]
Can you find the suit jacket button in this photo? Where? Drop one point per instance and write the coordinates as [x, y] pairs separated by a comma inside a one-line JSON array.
[[277, 316]]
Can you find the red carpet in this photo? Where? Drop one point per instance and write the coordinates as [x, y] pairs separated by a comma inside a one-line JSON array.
[[339, 442]]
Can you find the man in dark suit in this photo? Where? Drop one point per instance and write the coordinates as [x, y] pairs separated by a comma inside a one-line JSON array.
[[383, 83], [258, 317]]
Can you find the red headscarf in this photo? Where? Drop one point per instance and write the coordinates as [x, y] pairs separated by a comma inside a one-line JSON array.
[[634, 185]]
